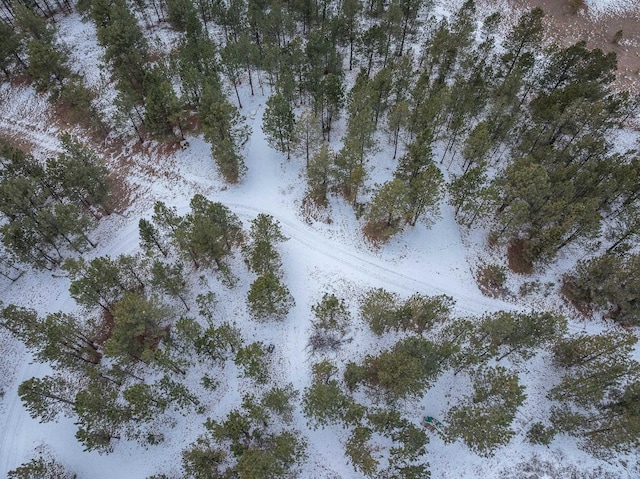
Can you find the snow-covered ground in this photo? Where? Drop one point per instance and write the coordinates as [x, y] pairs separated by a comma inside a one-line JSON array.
[[620, 7], [318, 257]]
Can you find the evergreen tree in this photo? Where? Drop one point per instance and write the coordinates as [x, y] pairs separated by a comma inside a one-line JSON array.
[[320, 175], [125, 47], [196, 64], [483, 420], [309, 134], [10, 51], [211, 231], [359, 451], [251, 441], [472, 196], [524, 38], [331, 323], [221, 126], [58, 338], [357, 142], [325, 403], [99, 282], [46, 397], [268, 298], [505, 333], [252, 359], [599, 392], [163, 111], [387, 210], [609, 283], [101, 416], [150, 237], [279, 124], [260, 253], [79, 175], [405, 370], [42, 467], [139, 325], [378, 308], [169, 278], [595, 365]]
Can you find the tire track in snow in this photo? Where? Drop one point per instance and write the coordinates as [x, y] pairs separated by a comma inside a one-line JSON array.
[[12, 446], [379, 270]]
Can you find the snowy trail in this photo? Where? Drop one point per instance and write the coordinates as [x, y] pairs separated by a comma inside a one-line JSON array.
[[366, 264], [14, 443]]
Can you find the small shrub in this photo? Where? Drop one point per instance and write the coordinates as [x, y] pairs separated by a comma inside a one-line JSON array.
[[617, 37], [577, 5], [540, 434], [379, 233], [491, 279]]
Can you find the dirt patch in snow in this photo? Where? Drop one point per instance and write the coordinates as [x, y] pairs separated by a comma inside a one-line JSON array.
[[565, 26]]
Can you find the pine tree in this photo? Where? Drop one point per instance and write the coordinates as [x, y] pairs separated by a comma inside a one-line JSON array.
[[309, 133], [163, 111], [221, 126], [325, 403], [331, 323], [169, 278], [252, 359], [609, 283], [599, 392], [101, 417], [424, 195], [139, 326], [268, 298], [196, 64], [505, 333], [150, 237], [358, 450], [472, 196], [483, 420], [42, 467], [46, 397], [279, 124], [42, 223], [387, 210], [378, 308], [58, 338], [10, 51], [96, 283], [78, 174], [404, 370], [595, 365], [260, 253], [211, 232], [125, 47], [320, 175], [525, 37]]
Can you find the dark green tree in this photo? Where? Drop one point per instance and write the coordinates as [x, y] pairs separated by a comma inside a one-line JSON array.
[[139, 326], [331, 323], [483, 420], [253, 361], [169, 278], [608, 283], [43, 467], [221, 125], [279, 124], [268, 298]]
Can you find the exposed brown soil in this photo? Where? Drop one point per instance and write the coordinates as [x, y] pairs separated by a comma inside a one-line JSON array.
[[565, 27], [518, 257]]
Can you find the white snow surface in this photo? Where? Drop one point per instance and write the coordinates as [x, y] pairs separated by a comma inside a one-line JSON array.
[[603, 7], [318, 257]]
